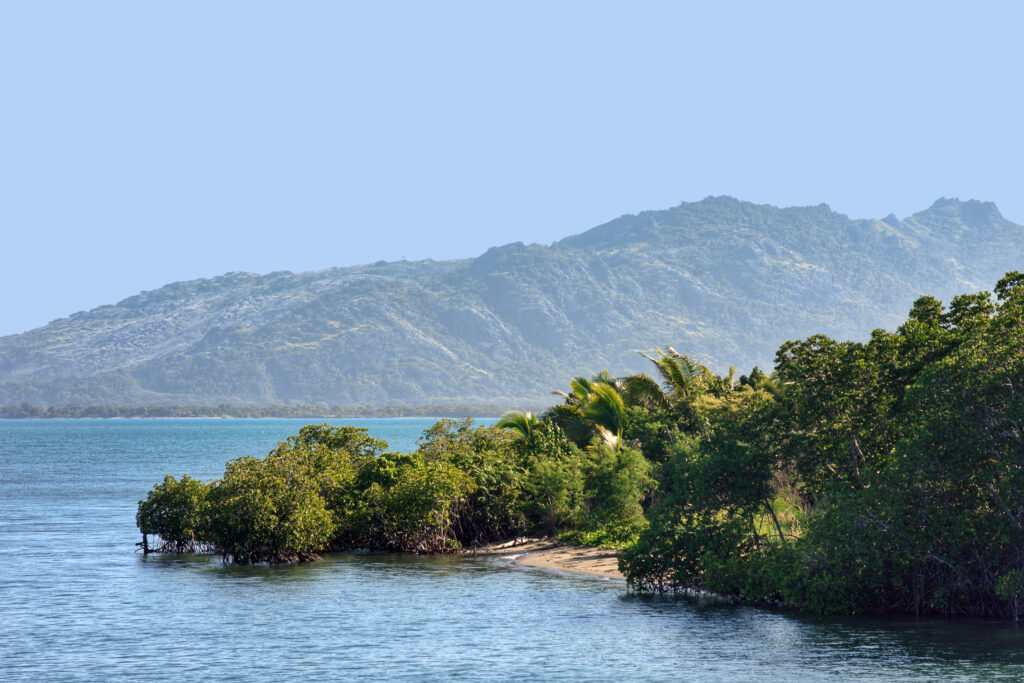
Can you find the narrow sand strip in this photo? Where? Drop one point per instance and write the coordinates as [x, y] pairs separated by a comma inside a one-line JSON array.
[[548, 554]]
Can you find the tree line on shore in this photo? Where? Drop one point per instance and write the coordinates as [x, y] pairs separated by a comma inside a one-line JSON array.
[[337, 488], [877, 476], [24, 411]]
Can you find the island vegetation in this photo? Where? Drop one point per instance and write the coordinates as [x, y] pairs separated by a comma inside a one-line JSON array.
[[876, 476]]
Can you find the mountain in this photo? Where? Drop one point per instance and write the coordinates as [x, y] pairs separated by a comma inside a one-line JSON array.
[[722, 279]]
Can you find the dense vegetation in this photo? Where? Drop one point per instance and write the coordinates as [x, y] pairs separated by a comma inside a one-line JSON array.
[[727, 281], [332, 488], [876, 476]]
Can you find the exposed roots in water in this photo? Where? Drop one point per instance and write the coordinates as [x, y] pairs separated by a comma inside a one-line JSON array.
[[265, 555], [179, 546]]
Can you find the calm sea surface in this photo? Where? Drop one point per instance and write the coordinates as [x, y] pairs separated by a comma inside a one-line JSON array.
[[77, 603]]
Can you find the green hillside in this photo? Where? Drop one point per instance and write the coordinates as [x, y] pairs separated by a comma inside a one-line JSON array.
[[721, 279]]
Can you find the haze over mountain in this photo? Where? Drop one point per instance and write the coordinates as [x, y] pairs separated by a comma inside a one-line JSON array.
[[722, 279]]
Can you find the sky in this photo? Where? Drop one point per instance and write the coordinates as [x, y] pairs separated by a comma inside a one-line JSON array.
[[147, 143]]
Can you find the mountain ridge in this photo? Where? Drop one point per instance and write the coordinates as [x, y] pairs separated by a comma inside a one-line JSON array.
[[723, 279]]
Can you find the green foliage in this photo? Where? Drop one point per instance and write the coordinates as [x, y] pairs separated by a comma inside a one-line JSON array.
[[876, 476], [714, 484], [269, 510], [336, 487], [673, 554], [615, 483], [554, 481], [651, 429], [417, 510], [681, 376], [283, 508], [904, 454], [174, 510], [594, 407], [352, 440], [518, 421], [493, 460], [605, 409]]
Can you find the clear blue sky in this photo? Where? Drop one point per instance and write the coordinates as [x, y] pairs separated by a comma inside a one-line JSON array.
[[144, 143]]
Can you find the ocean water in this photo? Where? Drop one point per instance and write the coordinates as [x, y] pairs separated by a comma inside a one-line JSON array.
[[78, 603]]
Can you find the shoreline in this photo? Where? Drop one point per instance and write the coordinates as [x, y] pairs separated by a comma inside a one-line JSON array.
[[551, 555], [432, 411]]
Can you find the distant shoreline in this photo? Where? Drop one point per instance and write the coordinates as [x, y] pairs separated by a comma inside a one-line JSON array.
[[450, 410]]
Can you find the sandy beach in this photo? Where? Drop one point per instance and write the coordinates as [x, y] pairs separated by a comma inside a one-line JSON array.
[[545, 553]]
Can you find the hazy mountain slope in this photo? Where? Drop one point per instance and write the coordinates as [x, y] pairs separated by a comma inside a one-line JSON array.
[[723, 279]]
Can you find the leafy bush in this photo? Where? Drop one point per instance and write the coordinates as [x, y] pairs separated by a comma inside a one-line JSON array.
[[268, 510], [174, 511], [418, 510], [615, 483]]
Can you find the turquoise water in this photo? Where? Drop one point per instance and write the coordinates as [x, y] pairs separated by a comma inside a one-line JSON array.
[[77, 603]]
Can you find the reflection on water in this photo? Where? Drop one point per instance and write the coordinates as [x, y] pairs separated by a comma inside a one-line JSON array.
[[76, 603]]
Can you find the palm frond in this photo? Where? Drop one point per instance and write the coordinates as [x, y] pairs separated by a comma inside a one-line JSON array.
[[641, 390], [518, 421], [606, 409]]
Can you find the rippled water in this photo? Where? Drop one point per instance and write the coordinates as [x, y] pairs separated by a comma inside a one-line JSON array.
[[76, 603]]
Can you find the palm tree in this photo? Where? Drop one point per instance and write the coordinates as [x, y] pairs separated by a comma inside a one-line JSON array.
[[641, 390], [592, 405], [606, 410], [681, 376], [570, 420], [518, 421], [581, 387]]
